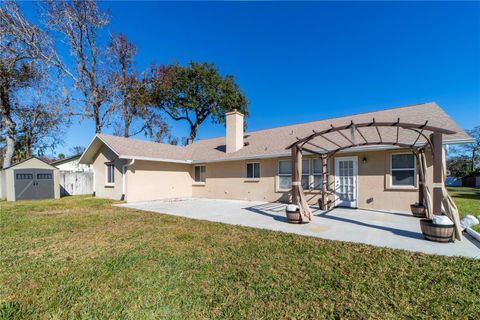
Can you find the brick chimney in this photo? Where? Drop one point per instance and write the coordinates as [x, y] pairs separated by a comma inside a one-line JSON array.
[[234, 131]]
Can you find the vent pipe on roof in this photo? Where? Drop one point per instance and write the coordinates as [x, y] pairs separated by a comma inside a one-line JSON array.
[[234, 135]]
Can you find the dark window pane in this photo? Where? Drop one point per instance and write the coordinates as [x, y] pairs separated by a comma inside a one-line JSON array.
[[403, 161], [317, 166], [24, 176], [44, 176], [403, 178], [305, 166], [317, 182], [285, 167], [256, 171], [305, 184], [200, 174], [250, 170]]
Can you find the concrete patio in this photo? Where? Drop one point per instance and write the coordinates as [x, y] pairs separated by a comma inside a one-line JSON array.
[[378, 228]]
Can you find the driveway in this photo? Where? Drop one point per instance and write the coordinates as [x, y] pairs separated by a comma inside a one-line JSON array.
[[378, 228]]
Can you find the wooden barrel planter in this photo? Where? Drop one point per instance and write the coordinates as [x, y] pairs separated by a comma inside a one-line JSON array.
[[418, 210], [293, 214], [436, 232]]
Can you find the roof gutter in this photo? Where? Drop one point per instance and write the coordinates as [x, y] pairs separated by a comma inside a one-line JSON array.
[[124, 174]]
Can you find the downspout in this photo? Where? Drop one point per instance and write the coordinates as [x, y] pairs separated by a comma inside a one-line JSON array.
[[124, 174]]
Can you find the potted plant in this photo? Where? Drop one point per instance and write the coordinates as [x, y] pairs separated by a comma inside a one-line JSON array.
[[418, 210], [437, 232], [293, 214]]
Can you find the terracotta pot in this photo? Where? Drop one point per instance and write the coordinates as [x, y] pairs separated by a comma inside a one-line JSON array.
[[436, 232], [418, 210]]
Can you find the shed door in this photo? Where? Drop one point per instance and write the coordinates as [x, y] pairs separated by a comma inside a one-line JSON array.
[[24, 184], [44, 184], [33, 184]]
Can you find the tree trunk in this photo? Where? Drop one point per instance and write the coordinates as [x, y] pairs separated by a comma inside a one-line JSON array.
[[96, 116], [9, 124], [193, 133], [472, 168]]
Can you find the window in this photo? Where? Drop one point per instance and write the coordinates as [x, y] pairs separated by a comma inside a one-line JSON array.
[[284, 174], [403, 170], [200, 174], [44, 176], [253, 170], [305, 174], [311, 174], [317, 174], [110, 174], [24, 176]]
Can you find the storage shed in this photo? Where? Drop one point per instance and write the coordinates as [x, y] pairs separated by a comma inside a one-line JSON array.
[[28, 180]]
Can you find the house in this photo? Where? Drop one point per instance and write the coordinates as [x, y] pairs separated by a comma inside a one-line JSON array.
[[72, 164], [30, 179], [257, 165], [75, 178]]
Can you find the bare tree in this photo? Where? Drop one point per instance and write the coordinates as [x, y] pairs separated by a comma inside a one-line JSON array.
[[25, 54], [79, 22]]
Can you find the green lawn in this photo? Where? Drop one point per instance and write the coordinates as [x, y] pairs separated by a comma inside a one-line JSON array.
[[463, 189], [467, 203], [80, 257]]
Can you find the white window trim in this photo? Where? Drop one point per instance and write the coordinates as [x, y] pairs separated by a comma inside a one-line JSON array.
[[199, 183], [109, 184], [391, 186], [246, 171]]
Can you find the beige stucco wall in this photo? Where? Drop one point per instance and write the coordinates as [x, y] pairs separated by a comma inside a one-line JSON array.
[[226, 180], [149, 180], [102, 190]]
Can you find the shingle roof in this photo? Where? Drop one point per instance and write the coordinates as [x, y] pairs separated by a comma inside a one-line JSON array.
[[273, 142]]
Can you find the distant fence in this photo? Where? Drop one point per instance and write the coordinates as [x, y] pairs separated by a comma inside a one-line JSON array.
[[453, 182], [73, 183]]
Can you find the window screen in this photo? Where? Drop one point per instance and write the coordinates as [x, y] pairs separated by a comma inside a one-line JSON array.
[[110, 173], [199, 173], [403, 170], [253, 170]]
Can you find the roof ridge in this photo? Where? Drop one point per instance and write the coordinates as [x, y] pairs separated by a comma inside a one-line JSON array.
[[331, 118]]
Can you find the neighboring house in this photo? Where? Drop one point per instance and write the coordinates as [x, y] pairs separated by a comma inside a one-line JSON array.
[[71, 164], [257, 166], [75, 178]]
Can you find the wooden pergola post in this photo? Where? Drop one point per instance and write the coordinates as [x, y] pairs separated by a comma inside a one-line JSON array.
[[324, 183], [437, 173], [294, 175]]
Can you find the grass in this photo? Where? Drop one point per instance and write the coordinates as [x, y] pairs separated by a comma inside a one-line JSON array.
[[80, 257], [468, 203], [463, 189]]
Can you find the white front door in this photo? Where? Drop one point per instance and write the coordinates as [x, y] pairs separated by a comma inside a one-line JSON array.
[[346, 171]]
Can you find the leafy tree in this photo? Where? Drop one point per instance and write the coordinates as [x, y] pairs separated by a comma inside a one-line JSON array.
[[131, 95], [40, 128], [61, 156], [78, 150], [194, 93], [473, 149], [459, 166]]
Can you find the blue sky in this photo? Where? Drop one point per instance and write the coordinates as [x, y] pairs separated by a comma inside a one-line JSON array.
[[300, 62]]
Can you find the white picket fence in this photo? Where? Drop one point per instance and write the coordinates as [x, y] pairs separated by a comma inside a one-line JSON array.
[[74, 183]]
